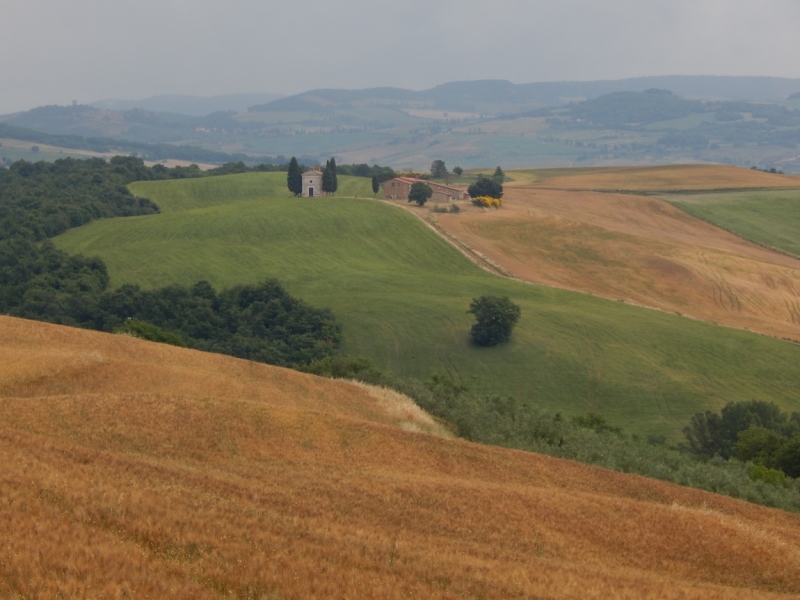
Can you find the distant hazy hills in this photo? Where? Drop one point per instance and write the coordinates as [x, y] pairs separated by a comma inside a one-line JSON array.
[[196, 106], [498, 96], [747, 121]]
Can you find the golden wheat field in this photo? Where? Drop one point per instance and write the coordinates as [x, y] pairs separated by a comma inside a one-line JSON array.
[[640, 249], [654, 178], [137, 470]]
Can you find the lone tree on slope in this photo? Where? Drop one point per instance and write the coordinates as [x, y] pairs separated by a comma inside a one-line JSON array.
[[486, 187], [294, 179], [376, 185], [499, 176], [495, 318], [419, 193]]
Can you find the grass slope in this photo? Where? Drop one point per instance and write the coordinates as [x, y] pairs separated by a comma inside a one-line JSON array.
[[402, 294], [771, 218], [133, 469]]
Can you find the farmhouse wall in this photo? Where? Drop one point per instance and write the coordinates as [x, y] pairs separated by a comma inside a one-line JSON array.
[[399, 188]]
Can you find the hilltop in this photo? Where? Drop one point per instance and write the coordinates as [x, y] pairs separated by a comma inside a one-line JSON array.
[[140, 469]]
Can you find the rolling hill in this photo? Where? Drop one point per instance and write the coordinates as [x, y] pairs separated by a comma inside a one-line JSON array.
[[138, 469], [402, 295], [643, 250]]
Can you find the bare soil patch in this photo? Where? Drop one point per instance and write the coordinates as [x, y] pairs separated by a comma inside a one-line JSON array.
[[639, 249], [142, 470], [657, 178]]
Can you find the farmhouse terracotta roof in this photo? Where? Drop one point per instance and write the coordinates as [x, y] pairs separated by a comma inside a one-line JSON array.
[[412, 180]]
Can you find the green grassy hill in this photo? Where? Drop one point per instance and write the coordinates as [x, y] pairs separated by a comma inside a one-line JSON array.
[[402, 295], [771, 218]]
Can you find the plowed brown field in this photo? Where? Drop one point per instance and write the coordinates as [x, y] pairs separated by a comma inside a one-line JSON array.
[[131, 469], [639, 249], [660, 178]]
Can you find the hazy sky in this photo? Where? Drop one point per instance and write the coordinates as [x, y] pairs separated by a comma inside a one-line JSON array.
[[54, 52]]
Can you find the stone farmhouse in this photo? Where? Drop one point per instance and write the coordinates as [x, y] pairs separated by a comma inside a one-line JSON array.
[[312, 183], [399, 187]]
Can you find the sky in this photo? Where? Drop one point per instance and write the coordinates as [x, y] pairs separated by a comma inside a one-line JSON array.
[[86, 50]]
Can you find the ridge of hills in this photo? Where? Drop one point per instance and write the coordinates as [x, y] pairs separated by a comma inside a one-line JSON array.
[[133, 468], [195, 106], [650, 120], [494, 96]]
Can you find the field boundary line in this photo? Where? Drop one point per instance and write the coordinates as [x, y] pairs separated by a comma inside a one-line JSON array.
[[737, 234], [473, 255]]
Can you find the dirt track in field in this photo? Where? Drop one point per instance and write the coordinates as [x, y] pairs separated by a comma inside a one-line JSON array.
[[133, 469], [640, 249]]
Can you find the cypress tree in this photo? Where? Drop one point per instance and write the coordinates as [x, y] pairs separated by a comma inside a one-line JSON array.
[[334, 178], [294, 179], [327, 179], [375, 185]]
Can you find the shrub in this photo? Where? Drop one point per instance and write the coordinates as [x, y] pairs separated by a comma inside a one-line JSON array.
[[454, 208], [771, 476], [487, 202], [146, 331]]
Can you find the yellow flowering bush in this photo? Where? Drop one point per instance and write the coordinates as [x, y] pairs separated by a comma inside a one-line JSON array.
[[487, 202]]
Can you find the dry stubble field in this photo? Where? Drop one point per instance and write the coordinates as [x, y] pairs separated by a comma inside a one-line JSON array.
[[639, 249], [664, 178], [133, 469]]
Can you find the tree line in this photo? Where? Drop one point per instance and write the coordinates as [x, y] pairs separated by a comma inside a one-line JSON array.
[[37, 281]]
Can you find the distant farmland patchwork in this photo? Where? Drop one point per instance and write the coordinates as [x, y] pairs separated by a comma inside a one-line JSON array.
[[402, 294]]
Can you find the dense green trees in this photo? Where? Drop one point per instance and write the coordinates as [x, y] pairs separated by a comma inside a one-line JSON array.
[[37, 281], [364, 170], [486, 187], [495, 318], [258, 322], [438, 169], [294, 178], [419, 193], [753, 431]]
